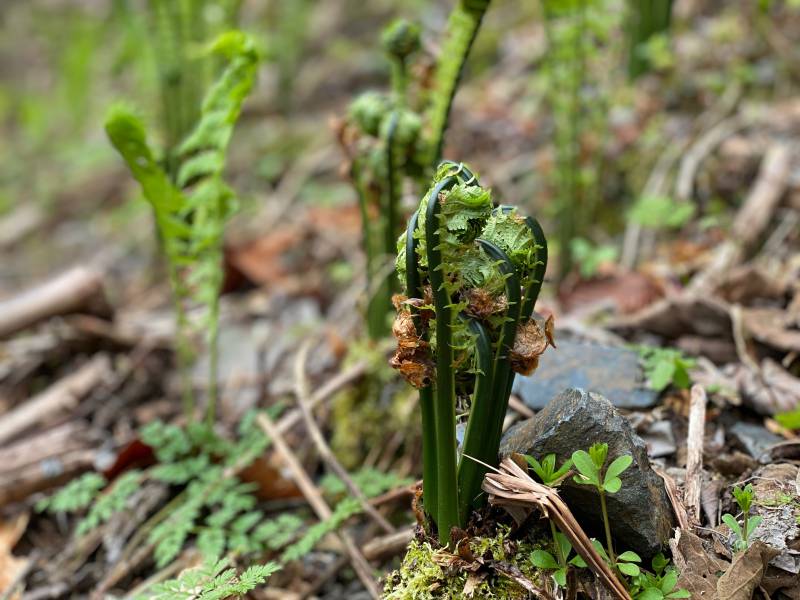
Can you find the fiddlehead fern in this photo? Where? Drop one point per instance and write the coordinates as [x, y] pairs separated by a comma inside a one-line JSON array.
[[471, 275], [462, 29], [383, 136]]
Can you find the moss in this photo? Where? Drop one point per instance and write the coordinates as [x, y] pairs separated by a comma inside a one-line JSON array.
[[361, 413], [428, 573]]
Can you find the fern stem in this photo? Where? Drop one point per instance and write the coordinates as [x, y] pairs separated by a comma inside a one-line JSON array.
[[462, 29], [503, 376], [430, 496], [444, 404], [476, 443], [646, 18]]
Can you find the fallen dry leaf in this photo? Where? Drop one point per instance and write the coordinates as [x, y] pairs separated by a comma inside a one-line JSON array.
[[699, 567], [772, 390], [11, 566], [774, 327], [745, 573], [627, 292]]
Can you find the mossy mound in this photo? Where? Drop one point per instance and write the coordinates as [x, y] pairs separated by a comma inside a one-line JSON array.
[[485, 567]]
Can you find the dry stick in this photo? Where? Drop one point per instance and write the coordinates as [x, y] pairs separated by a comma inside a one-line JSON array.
[[694, 443], [388, 545], [678, 507], [301, 390], [512, 486], [328, 574], [79, 289], [293, 417], [752, 219], [318, 504], [62, 395]]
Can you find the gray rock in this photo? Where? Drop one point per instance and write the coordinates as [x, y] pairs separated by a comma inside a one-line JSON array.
[[611, 371], [640, 513], [753, 439]]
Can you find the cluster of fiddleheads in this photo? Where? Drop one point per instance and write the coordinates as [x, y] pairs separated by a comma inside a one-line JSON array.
[[465, 326], [391, 137]]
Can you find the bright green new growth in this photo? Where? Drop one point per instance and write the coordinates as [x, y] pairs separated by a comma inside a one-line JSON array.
[[742, 533], [561, 562], [214, 580], [646, 19], [191, 211], [591, 471], [659, 584], [550, 476], [215, 508], [665, 366], [462, 29], [472, 274], [386, 151]]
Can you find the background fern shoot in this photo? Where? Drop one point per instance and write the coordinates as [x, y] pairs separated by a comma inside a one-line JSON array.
[[191, 212]]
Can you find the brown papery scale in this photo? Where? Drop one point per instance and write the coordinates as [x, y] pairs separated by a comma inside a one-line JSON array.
[[533, 338], [413, 357], [482, 305]]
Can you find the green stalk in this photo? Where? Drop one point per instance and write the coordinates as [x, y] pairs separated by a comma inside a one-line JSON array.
[[609, 542], [476, 443], [562, 560], [503, 377], [462, 29], [376, 311], [430, 496], [646, 18], [392, 187], [444, 405]]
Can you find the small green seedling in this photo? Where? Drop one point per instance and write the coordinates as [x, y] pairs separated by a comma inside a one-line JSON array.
[[591, 471], [665, 366], [659, 584], [544, 560], [744, 498], [546, 470], [551, 477]]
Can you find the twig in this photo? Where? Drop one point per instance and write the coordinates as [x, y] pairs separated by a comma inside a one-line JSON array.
[[752, 219], [388, 545], [332, 570], [318, 504], [73, 291], [694, 443], [293, 417], [513, 487], [301, 389], [184, 561], [63, 394], [520, 407], [678, 508], [704, 145]]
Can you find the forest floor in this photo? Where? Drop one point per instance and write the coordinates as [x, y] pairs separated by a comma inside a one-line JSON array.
[[86, 324]]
